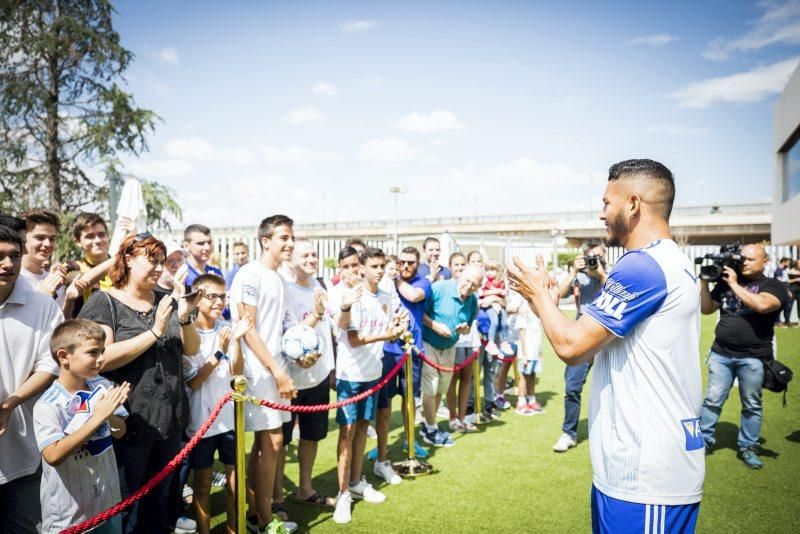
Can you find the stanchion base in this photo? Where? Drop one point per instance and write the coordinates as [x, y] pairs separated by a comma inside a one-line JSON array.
[[412, 468], [481, 419]]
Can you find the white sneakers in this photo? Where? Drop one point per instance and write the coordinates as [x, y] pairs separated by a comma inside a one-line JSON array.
[[564, 443], [342, 514], [385, 471], [364, 490]]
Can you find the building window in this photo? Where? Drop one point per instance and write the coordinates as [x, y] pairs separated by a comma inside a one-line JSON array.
[[791, 172]]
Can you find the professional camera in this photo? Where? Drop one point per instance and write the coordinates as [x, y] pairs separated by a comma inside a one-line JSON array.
[[728, 256], [592, 261]]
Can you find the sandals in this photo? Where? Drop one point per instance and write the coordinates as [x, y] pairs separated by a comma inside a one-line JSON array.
[[317, 499], [279, 510]]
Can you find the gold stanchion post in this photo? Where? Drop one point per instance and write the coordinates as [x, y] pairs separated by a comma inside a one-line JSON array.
[[239, 385], [480, 419], [410, 467]]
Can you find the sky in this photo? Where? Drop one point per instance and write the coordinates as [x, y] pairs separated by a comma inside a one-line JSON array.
[[316, 109]]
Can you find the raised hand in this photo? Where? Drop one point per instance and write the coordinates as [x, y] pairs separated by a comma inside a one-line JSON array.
[[76, 288], [352, 295], [529, 282], [320, 300], [224, 339], [112, 400], [242, 326], [51, 283], [163, 312]]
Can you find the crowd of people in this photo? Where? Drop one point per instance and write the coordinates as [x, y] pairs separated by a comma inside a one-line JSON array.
[[110, 363]]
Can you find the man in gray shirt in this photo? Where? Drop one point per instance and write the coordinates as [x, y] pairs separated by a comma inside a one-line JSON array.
[[586, 276]]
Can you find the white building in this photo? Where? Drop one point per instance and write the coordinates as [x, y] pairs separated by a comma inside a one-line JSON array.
[[786, 142]]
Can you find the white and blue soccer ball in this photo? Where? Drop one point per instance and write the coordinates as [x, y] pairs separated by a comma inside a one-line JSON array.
[[300, 342]]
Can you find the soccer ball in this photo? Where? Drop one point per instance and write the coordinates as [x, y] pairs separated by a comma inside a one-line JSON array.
[[300, 342]]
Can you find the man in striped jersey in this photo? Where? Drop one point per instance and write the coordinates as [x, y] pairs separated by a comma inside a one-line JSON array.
[[644, 412]]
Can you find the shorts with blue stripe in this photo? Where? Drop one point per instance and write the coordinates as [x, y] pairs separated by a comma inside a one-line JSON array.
[[611, 515]]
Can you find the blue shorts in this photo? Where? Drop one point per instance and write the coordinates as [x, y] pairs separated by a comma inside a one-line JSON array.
[[363, 410], [622, 517], [202, 456], [530, 367]]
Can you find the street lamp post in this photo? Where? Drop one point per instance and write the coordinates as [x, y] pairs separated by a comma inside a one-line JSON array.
[[396, 191]]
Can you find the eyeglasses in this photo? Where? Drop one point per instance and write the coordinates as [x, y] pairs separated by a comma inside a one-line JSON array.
[[408, 262], [214, 296]]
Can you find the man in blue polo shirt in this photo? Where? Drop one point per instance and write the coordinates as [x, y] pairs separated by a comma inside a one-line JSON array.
[[449, 313], [431, 268], [197, 242]]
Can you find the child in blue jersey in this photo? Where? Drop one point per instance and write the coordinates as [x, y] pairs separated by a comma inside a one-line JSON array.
[[74, 421]]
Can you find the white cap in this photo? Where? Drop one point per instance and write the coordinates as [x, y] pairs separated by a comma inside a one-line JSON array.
[[173, 247]]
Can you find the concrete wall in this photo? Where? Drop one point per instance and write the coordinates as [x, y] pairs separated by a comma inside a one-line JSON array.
[[786, 127]]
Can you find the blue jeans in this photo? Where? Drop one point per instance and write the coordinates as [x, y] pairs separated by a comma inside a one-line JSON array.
[[721, 372], [498, 324], [574, 378]]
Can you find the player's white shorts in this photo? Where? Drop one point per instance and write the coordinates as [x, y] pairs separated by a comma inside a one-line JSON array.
[[261, 385]]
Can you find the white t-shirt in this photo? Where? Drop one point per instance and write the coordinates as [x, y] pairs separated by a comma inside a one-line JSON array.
[[529, 321], [27, 319], [370, 316], [299, 305], [34, 280], [263, 288], [202, 401], [644, 408], [86, 483]]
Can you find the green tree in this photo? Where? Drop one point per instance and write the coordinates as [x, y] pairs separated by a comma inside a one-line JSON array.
[[63, 113]]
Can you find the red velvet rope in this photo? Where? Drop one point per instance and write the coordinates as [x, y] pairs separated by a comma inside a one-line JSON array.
[[455, 368], [326, 407], [153, 482]]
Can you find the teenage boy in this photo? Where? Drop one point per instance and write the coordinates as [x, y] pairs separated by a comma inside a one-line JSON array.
[[431, 270], [27, 319], [241, 257], [41, 228], [75, 420], [306, 303], [208, 374], [197, 242], [258, 290], [366, 321]]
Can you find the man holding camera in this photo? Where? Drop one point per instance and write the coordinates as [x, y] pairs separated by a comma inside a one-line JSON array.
[[586, 276], [749, 304]]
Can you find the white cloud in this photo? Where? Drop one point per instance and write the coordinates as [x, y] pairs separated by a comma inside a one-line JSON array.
[[197, 149], [304, 115], [388, 150], [168, 55], [672, 129], [160, 168], [780, 24], [751, 86], [436, 121], [325, 89], [294, 154], [372, 81], [529, 171], [356, 26], [657, 39], [189, 148]]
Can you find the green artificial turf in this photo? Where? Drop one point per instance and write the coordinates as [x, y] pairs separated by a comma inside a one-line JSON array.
[[508, 479]]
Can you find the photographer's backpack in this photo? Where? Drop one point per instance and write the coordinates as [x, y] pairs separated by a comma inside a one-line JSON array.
[[777, 377]]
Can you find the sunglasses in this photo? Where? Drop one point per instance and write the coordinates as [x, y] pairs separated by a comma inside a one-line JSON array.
[[408, 262], [138, 238]]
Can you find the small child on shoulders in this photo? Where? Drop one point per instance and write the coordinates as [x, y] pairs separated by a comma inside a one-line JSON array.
[[74, 421], [493, 299]]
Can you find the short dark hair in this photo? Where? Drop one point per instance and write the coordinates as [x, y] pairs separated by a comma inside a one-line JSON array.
[[35, 216], [346, 252], [208, 278], [9, 235], [429, 240], [85, 220], [411, 250], [656, 174], [268, 226], [195, 228], [591, 243], [371, 252], [785, 259], [72, 332], [455, 255], [15, 223], [355, 242], [392, 258]]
